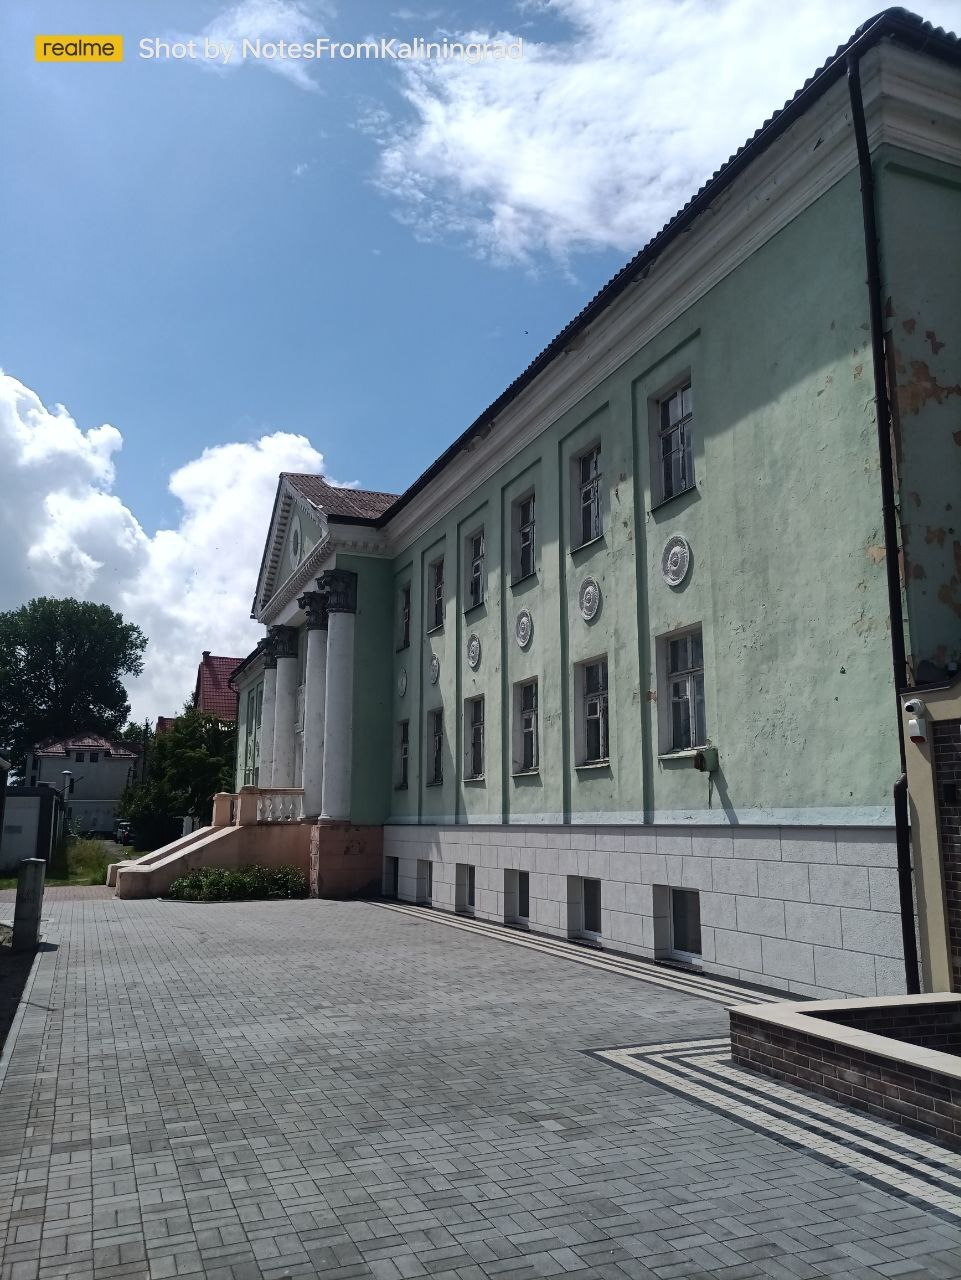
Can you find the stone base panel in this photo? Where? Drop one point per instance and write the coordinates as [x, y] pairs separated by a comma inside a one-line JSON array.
[[814, 910]]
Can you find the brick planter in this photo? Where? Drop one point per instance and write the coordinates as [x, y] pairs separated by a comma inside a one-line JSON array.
[[884, 1056]]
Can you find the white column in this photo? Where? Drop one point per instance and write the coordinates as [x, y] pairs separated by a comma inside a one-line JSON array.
[[340, 587], [265, 769], [315, 696], [285, 705]]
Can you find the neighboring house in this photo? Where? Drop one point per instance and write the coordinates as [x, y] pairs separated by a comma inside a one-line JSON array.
[[623, 663], [164, 725], [31, 824], [213, 692], [98, 770]]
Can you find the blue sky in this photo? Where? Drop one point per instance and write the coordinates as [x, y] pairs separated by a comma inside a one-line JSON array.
[[213, 276]]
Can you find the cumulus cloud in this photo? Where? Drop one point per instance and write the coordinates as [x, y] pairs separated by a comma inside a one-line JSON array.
[[65, 532], [295, 21], [595, 140]]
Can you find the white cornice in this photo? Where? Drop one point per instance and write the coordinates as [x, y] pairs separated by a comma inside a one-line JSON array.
[[919, 110], [311, 565]]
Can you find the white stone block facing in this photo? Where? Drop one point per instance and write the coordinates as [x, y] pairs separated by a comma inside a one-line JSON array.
[[790, 909]]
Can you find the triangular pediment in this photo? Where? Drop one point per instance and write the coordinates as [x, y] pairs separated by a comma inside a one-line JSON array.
[[297, 525]]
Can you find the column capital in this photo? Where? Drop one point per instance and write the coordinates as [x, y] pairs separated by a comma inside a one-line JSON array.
[[281, 643], [314, 605], [339, 586]]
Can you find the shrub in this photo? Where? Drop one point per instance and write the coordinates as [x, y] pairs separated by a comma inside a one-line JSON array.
[[80, 860], [215, 884]]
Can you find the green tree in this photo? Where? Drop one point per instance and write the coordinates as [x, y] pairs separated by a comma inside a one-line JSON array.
[[187, 766], [61, 669]]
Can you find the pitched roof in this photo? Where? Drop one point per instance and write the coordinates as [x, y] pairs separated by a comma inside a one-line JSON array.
[[212, 692], [895, 23], [336, 501], [83, 742], [164, 724]]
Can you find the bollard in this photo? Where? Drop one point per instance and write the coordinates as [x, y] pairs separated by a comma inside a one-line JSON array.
[[26, 913]]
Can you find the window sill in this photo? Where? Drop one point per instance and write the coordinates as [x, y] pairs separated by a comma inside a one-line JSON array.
[[584, 546], [593, 764], [666, 502], [438, 782], [401, 786], [433, 631], [479, 781], [525, 773], [473, 608], [520, 582], [690, 756]]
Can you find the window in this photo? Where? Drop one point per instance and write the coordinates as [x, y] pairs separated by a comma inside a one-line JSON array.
[[425, 881], [583, 907], [525, 727], [675, 454], [80, 757], [403, 628], [686, 921], [435, 738], [524, 537], [589, 495], [685, 676], [403, 753], [474, 738], [592, 906], [391, 876], [475, 569], [595, 746], [436, 601], [465, 887], [517, 897], [94, 757]]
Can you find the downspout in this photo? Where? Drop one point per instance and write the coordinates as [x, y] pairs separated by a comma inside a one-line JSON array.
[[889, 513]]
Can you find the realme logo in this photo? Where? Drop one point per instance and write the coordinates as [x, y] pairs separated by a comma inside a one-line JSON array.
[[79, 48]]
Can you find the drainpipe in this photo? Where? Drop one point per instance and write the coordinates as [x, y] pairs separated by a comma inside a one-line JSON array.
[[889, 513]]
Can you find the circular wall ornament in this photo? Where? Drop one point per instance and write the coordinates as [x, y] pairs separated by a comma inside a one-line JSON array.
[[523, 628], [473, 653], [589, 599], [402, 682], [296, 542], [434, 668], [675, 560]]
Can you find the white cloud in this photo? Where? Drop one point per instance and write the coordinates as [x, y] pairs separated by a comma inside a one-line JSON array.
[[595, 141], [66, 533], [295, 21]]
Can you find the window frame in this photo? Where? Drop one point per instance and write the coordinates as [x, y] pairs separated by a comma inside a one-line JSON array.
[[677, 894], [692, 676], [475, 569], [403, 755], [524, 548], [588, 715], [435, 741], [590, 488], [524, 732], [406, 595], [683, 427], [435, 595], [474, 738]]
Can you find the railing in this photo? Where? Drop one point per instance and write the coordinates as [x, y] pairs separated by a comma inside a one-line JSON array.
[[280, 804]]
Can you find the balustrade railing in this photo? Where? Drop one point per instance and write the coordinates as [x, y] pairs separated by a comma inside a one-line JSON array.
[[280, 804]]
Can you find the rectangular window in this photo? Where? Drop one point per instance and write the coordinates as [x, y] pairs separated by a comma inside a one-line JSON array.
[[465, 887], [403, 621], [425, 881], [403, 753], [94, 757], [475, 569], [391, 876], [596, 742], [436, 601], [685, 676], [686, 921], [524, 537], [517, 897], [474, 738], [592, 907], [525, 730], [589, 494], [675, 443], [80, 757], [523, 895], [435, 742]]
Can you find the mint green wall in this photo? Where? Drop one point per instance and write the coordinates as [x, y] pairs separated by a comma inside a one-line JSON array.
[[785, 582], [920, 214]]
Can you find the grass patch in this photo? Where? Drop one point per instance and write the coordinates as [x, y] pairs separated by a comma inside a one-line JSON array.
[[215, 884], [79, 862]]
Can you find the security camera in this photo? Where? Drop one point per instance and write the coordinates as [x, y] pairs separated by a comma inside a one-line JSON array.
[[914, 707]]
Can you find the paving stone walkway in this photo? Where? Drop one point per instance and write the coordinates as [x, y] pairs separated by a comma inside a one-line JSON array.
[[315, 1088]]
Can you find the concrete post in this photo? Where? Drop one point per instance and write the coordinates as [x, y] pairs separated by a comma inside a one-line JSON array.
[[314, 605], [247, 806], [265, 770], [285, 705], [340, 588], [29, 904], [221, 813]]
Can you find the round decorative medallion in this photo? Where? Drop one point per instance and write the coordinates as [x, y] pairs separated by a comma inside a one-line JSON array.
[[589, 599], [296, 542], [675, 560], [402, 682], [434, 668], [473, 653], [523, 628]]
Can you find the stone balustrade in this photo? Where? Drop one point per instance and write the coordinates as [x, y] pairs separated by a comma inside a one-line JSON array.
[[258, 805]]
